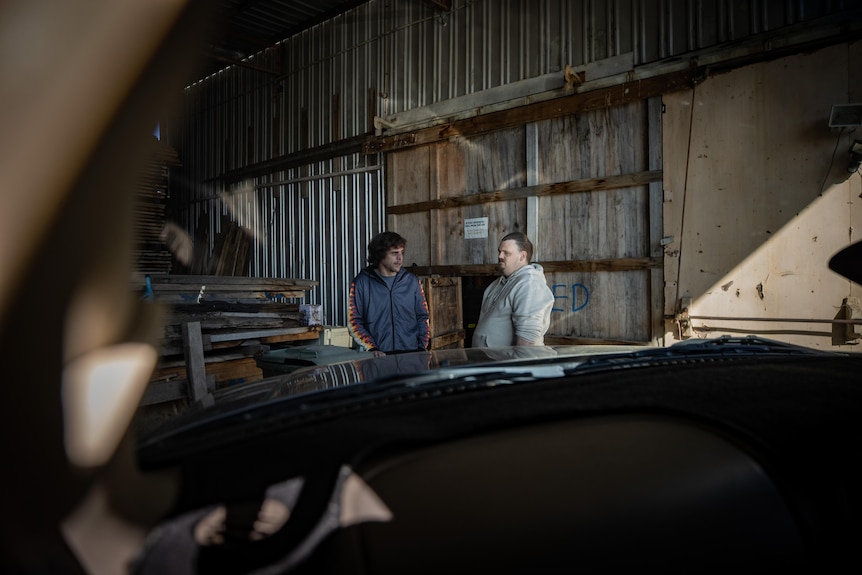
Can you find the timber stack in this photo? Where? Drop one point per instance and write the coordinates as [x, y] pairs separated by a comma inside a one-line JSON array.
[[216, 326]]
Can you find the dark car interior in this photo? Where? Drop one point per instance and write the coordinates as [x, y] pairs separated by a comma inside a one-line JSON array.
[[744, 464], [685, 465]]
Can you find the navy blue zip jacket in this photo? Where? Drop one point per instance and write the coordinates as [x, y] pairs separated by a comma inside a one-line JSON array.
[[388, 320]]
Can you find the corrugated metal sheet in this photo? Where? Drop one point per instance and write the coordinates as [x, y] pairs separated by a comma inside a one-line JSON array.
[[244, 28], [386, 57]]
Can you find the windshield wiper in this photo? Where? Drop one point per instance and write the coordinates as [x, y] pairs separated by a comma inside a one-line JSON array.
[[724, 347]]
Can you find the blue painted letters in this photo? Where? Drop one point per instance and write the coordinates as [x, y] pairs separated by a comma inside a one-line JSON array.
[[576, 302]]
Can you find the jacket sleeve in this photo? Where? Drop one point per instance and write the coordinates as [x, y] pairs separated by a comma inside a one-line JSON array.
[[422, 316], [355, 318], [531, 309]]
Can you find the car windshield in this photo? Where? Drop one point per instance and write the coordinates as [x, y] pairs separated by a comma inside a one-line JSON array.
[[357, 384], [375, 287]]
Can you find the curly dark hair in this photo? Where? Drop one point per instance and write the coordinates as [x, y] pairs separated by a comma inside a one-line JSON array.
[[524, 243], [380, 245]]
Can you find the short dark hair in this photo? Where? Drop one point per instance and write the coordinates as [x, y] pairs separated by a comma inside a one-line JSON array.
[[380, 245], [524, 243]]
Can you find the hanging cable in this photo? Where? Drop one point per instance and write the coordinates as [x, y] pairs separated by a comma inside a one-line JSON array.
[[831, 162], [684, 195]]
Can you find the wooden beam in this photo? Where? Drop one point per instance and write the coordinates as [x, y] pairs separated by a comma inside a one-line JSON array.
[[216, 282], [583, 266], [262, 333], [313, 334], [573, 340], [344, 147], [578, 186], [579, 102], [185, 297], [164, 391], [447, 339], [194, 355]]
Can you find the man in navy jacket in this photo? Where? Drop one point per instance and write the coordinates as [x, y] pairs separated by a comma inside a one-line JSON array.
[[387, 311]]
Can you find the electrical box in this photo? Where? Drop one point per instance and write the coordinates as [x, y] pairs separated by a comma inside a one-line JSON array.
[[845, 116]]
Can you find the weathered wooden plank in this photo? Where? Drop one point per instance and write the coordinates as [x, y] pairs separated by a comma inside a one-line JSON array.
[[184, 297], [229, 307], [580, 186], [446, 282], [574, 340], [453, 338], [215, 281], [312, 333], [496, 161], [194, 355], [587, 201], [174, 346], [256, 334], [444, 304], [600, 305], [676, 127], [434, 238], [415, 228], [227, 322], [248, 287], [168, 366], [218, 373], [242, 370], [408, 174], [656, 229], [452, 168], [301, 158], [607, 265], [164, 391], [454, 247], [228, 316], [577, 103]]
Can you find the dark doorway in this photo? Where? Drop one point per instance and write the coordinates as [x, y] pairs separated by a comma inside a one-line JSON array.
[[472, 290]]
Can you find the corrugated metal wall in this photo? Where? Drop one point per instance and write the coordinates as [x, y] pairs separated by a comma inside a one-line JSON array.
[[386, 57]]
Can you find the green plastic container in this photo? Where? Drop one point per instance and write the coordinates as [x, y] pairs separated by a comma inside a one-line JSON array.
[[287, 360]]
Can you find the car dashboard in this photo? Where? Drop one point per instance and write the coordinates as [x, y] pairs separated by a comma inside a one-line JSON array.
[[746, 459]]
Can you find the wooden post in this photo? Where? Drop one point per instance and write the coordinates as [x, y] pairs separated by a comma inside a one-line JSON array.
[[194, 354]]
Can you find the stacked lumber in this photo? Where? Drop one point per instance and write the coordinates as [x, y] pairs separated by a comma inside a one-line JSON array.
[[231, 251], [232, 320], [183, 289], [225, 372], [226, 326]]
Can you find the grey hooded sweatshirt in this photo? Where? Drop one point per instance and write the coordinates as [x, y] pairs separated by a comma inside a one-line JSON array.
[[517, 306]]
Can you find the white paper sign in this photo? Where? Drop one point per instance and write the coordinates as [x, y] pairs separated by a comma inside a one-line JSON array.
[[475, 228]]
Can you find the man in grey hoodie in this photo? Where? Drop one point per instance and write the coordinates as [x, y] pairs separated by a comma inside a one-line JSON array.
[[516, 307]]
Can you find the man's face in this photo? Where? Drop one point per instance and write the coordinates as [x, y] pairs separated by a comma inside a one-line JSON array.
[[510, 258], [391, 262]]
